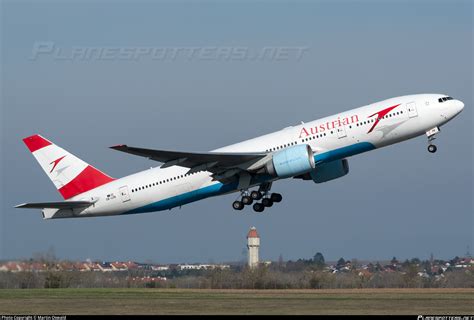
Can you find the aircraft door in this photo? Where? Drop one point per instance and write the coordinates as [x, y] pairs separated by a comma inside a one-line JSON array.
[[124, 194], [411, 108], [341, 132]]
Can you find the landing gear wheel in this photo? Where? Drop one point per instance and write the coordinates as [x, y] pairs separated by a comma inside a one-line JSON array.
[[255, 195], [267, 202], [246, 200], [258, 207], [432, 148], [276, 197], [237, 205]]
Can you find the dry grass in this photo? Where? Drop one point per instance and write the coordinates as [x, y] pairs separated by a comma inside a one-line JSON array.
[[179, 301]]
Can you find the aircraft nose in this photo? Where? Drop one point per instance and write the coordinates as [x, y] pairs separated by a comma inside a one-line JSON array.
[[459, 105]]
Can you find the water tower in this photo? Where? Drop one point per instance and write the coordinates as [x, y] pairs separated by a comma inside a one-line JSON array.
[[253, 244]]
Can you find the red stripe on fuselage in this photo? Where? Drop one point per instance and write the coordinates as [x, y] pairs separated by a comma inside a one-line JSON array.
[[380, 115], [36, 142], [90, 178]]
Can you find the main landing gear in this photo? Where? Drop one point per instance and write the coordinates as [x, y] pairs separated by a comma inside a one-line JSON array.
[[431, 137], [268, 199]]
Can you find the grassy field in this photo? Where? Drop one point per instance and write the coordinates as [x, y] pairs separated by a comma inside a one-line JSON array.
[[178, 301]]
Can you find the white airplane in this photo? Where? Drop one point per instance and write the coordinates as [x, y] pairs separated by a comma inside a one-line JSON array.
[[317, 151]]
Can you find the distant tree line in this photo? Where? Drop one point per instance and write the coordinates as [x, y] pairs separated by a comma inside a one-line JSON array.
[[260, 278], [301, 274]]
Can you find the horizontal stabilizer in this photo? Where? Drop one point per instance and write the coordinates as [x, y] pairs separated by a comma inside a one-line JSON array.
[[56, 205]]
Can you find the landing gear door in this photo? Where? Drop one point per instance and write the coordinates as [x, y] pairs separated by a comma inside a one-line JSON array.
[[124, 194], [411, 108], [341, 132]]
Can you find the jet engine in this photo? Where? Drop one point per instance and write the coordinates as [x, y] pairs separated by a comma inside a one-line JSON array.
[[330, 171], [292, 161]]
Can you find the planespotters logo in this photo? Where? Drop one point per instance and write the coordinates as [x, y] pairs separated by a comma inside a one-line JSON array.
[[51, 50], [420, 317]]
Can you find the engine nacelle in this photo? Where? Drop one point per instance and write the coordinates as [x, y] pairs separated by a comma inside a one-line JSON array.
[[291, 161], [330, 171]]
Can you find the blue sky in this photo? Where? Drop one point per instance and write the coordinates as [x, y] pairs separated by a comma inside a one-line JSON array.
[[398, 200]]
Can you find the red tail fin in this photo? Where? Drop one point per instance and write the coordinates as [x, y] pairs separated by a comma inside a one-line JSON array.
[[70, 175]]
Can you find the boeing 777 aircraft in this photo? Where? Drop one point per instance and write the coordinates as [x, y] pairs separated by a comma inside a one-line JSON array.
[[316, 150]]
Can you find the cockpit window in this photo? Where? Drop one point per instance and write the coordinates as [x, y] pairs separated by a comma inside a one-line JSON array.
[[443, 99]]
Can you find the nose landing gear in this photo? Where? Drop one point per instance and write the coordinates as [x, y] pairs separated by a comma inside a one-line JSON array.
[[431, 137], [432, 148]]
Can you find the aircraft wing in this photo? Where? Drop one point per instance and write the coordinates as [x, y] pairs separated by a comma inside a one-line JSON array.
[[209, 161], [56, 205]]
